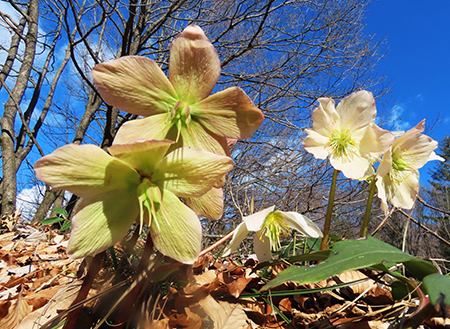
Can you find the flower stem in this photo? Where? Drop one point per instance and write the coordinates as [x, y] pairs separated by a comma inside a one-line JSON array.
[[368, 209], [326, 228]]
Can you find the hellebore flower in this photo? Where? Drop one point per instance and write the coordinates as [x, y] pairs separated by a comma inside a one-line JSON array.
[[347, 134], [268, 225], [179, 108], [398, 174], [135, 181]]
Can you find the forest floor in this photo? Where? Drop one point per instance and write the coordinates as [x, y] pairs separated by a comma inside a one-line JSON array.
[[41, 287]]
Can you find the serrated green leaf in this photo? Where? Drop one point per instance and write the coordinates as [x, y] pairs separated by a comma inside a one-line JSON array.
[[345, 256], [438, 288], [51, 220], [61, 211], [66, 226]]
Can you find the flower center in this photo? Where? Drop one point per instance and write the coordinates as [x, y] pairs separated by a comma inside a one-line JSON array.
[[150, 198], [400, 168], [342, 144], [180, 116], [272, 227]]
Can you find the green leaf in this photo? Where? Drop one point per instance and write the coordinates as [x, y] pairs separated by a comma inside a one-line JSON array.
[[52, 220], [315, 256], [61, 211], [438, 288], [66, 226], [420, 268], [345, 256]]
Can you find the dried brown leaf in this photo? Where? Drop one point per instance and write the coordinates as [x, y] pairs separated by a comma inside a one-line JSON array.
[[225, 315], [17, 311]]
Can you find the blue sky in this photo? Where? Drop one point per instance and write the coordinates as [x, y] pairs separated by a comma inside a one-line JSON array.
[[417, 63]]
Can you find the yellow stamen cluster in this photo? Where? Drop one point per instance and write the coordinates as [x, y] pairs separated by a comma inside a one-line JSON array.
[[342, 144], [272, 227]]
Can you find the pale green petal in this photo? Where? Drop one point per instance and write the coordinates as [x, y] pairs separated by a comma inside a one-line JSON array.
[[84, 170], [239, 235], [262, 248], [316, 144], [376, 141], [255, 221], [302, 224], [229, 113], [143, 156], [155, 127], [194, 66], [357, 110], [190, 172], [176, 230], [102, 221], [209, 205], [325, 118], [199, 137], [134, 84]]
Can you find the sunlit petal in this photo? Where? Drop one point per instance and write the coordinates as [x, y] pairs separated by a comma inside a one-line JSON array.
[[302, 224], [176, 231], [154, 127], [199, 137], [102, 221], [190, 172], [357, 110], [209, 205], [354, 169], [142, 155], [316, 144], [255, 221], [134, 84], [84, 170], [194, 66], [375, 141], [229, 113], [325, 117]]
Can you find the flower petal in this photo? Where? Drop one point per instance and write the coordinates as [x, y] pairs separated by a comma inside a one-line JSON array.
[[209, 205], [302, 224], [134, 84], [154, 127], [262, 248], [239, 235], [354, 169], [229, 113], [400, 194], [84, 170], [357, 110], [176, 230], [102, 221], [325, 118], [190, 172], [194, 66], [143, 156], [376, 141], [316, 144], [255, 221], [197, 136]]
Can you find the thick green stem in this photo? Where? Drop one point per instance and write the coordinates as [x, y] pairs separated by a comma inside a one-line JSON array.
[[326, 228], [366, 219]]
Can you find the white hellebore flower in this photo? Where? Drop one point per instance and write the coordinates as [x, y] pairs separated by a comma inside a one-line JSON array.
[[267, 226], [398, 174], [347, 134]]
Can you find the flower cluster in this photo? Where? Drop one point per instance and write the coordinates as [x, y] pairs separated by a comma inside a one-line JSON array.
[[349, 136], [179, 150]]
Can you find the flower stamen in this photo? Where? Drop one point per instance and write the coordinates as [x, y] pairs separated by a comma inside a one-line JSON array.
[[342, 145], [272, 227]]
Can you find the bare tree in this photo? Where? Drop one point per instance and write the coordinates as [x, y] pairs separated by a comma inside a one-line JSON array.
[[284, 54]]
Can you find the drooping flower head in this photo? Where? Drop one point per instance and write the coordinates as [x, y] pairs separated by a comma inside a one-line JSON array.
[[137, 181], [267, 226], [179, 108], [347, 134], [398, 174]]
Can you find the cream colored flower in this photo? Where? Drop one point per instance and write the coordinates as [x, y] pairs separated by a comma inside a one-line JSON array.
[[268, 226], [137, 181], [347, 134], [398, 174]]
